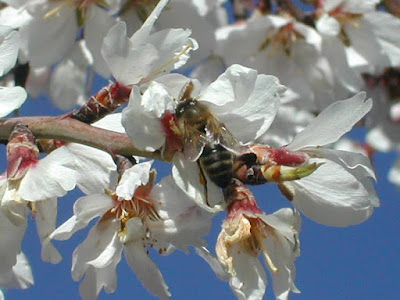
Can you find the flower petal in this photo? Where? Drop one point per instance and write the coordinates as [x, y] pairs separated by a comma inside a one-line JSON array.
[[332, 196], [142, 117], [146, 270], [250, 280], [132, 178], [52, 177], [9, 47], [11, 98], [46, 218], [244, 101], [333, 122]]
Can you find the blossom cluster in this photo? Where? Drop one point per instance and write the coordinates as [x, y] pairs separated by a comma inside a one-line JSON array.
[[256, 104]]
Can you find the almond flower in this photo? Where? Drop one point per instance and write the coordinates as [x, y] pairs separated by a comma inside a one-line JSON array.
[[55, 25], [361, 34], [136, 216], [144, 55], [340, 192], [244, 101], [30, 185], [248, 232]]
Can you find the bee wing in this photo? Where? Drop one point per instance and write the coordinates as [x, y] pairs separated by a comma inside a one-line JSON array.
[[193, 143], [219, 134]]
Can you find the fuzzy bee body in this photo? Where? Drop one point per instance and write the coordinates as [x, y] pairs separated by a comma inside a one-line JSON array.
[[206, 140], [217, 162]]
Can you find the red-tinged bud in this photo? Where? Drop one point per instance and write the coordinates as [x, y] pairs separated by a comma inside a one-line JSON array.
[[104, 102], [273, 156], [48, 145], [240, 200], [22, 152], [173, 139]]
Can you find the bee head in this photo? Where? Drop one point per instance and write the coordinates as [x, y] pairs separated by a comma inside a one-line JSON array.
[[189, 109]]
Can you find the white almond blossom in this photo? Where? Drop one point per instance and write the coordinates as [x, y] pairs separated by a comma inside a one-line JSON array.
[[15, 271], [247, 232], [39, 185], [67, 86], [340, 192], [144, 55], [285, 48], [365, 34], [244, 101], [136, 216], [55, 25]]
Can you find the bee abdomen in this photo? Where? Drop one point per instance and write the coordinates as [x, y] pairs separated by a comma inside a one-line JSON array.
[[217, 162]]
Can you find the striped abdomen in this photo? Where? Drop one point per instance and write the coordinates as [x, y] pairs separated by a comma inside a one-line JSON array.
[[217, 162]]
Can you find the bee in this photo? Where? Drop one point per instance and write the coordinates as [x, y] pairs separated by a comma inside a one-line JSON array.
[[205, 140]]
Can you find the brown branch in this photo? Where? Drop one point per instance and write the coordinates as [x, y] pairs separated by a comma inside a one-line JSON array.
[[70, 130]]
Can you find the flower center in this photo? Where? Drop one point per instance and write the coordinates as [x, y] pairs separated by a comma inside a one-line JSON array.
[[283, 39]]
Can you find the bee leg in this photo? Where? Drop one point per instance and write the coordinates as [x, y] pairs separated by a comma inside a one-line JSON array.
[[203, 181]]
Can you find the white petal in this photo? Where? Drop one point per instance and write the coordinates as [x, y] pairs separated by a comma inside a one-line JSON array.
[[184, 14], [133, 178], [332, 122], [282, 256], [111, 122], [332, 196], [10, 247], [85, 209], [142, 117], [97, 24], [244, 101], [129, 63], [174, 46], [50, 39], [328, 25], [95, 169], [52, 177], [213, 263], [14, 17], [365, 42], [9, 47], [385, 27], [46, 218], [67, 229], [184, 222], [394, 173], [146, 270], [21, 275], [88, 207], [356, 163], [335, 51], [140, 35], [108, 255], [250, 280], [68, 83], [285, 221], [101, 235], [11, 98], [96, 279]]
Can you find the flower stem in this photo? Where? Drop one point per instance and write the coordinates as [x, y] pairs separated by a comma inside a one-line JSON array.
[[70, 130]]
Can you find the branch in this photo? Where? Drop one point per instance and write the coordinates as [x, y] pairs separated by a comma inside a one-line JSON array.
[[70, 130]]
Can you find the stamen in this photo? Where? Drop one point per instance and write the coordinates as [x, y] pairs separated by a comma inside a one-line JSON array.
[[171, 61], [57, 9]]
